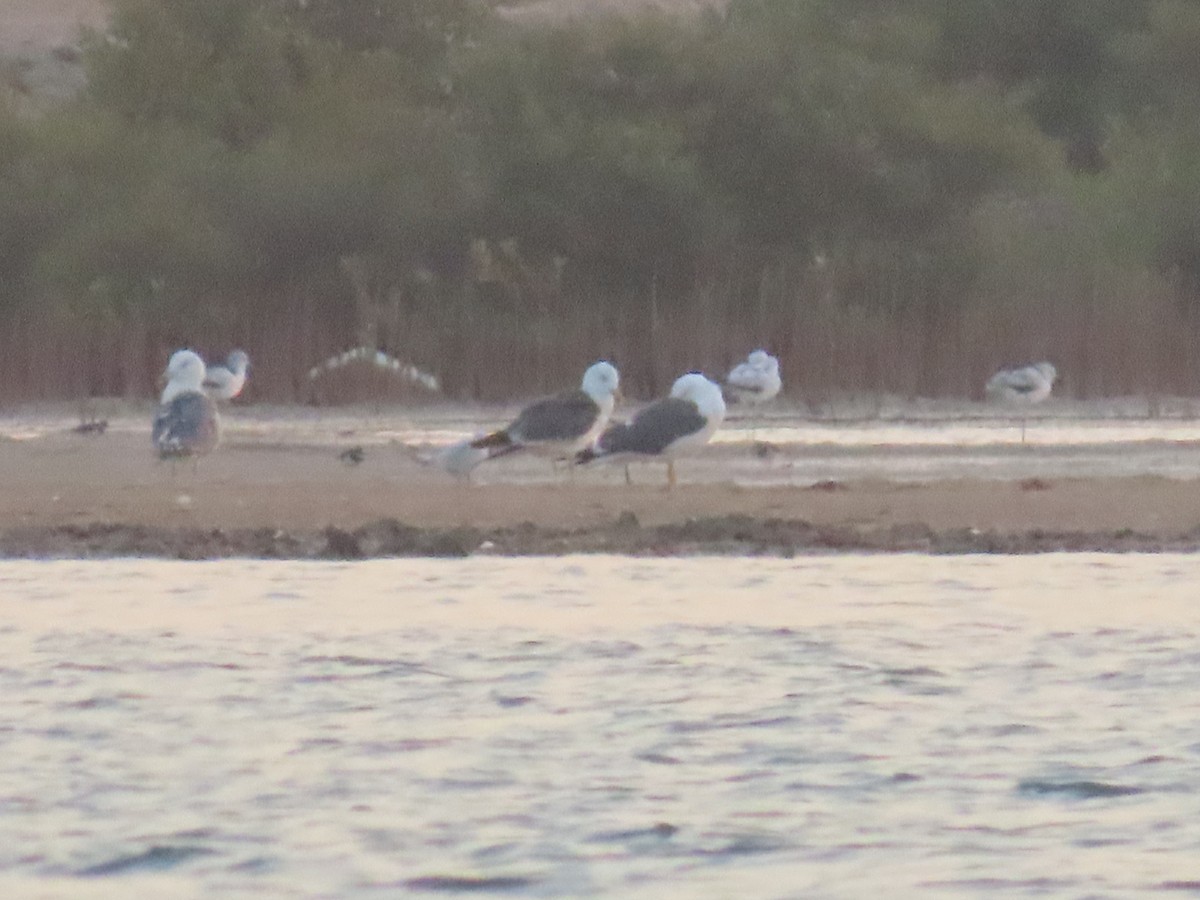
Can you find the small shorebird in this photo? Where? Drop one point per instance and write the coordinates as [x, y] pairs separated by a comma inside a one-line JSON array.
[[1022, 387], [687, 418], [186, 423]]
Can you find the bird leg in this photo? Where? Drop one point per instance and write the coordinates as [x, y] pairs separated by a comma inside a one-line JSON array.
[[628, 477], [670, 474]]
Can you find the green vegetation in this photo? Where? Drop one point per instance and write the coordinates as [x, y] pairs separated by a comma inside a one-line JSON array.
[[893, 194]]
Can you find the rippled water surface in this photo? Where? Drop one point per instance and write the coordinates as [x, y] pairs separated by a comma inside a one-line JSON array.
[[847, 727]]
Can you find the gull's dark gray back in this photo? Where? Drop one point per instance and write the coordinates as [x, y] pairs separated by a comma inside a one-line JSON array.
[[655, 428], [187, 426], [559, 418]]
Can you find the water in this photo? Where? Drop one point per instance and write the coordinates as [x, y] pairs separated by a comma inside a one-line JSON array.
[[824, 727]]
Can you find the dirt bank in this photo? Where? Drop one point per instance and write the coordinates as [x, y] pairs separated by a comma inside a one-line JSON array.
[[732, 535]]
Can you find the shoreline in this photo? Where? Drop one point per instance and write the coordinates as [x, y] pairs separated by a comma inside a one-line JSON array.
[[723, 536]]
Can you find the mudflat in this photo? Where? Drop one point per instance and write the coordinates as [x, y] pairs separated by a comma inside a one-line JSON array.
[[263, 493]]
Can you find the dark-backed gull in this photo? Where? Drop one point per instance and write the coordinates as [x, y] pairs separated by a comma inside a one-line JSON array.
[[186, 423], [686, 419]]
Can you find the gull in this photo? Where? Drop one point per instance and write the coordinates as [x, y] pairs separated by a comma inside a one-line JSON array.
[[1023, 387], [225, 381], [687, 418], [186, 423], [557, 426], [755, 381]]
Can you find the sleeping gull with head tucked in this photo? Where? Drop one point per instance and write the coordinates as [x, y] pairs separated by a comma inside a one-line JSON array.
[[756, 380], [186, 423], [1023, 387], [225, 381], [686, 419]]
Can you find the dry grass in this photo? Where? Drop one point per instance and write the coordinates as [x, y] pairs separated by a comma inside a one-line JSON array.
[[1114, 337]]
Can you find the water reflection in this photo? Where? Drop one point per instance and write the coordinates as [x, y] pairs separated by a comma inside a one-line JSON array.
[[845, 726]]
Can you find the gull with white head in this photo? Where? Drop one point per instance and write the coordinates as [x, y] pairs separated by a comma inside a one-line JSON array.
[[186, 423], [224, 381], [686, 419], [557, 426]]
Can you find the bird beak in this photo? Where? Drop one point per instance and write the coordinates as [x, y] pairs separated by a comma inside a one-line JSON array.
[[618, 395]]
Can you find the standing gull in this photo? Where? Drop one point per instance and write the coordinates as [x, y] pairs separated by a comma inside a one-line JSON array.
[[1023, 387], [687, 418], [185, 424], [755, 381], [561, 425], [225, 381]]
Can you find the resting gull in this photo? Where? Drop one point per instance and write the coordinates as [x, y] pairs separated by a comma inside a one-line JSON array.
[[561, 425], [687, 418], [225, 381], [186, 423], [755, 381], [1023, 387]]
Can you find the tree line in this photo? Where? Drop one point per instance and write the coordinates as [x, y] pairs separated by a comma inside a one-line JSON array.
[[893, 195]]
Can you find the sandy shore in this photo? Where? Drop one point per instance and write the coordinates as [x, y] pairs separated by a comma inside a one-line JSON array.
[[65, 494]]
